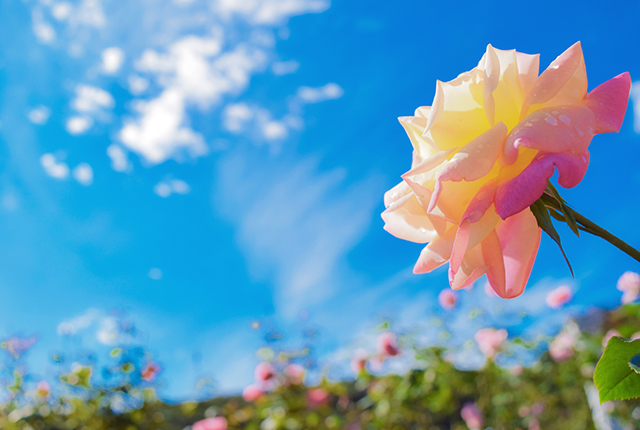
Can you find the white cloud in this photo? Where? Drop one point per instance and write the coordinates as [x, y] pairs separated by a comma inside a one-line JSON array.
[[137, 85], [285, 67], [119, 160], [112, 60], [91, 99], [43, 31], [329, 91], [269, 12], [635, 99], [39, 115], [160, 133], [78, 124], [295, 224], [164, 189], [52, 167], [61, 11], [83, 174]]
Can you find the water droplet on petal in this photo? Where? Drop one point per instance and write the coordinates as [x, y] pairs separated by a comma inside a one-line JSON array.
[[551, 120], [565, 119]]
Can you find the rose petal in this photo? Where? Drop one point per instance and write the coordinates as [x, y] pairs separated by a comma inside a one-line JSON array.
[[471, 268], [476, 159], [430, 163], [470, 234], [519, 238], [528, 67], [406, 219], [563, 83], [457, 115], [556, 129], [522, 191], [436, 253], [437, 218], [414, 127], [608, 102]]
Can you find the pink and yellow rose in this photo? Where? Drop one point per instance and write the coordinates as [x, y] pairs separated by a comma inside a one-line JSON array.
[[483, 154]]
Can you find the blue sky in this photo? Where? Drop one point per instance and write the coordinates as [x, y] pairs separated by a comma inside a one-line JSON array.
[[207, 163]]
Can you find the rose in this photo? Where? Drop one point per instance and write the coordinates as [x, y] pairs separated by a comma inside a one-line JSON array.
[[388, 345], [483, 154], [490, 340], [561, 347], [252, 392], [559, 297], [214, 423], [264, 372], [629, 284], [447, 299], [472, 415]]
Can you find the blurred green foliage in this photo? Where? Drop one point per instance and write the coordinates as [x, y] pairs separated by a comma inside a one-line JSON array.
[[548, 395]]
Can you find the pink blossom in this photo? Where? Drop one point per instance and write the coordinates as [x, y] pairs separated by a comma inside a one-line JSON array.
[[317, 397], [472, 415], [516, 370], [388, 345], [251, 393], [43, 388], [562, 347], [490, 340], [294, 373], [264, 372], [534, 424], [629, 284], [359, 361], [447, 299], [216, 423], [611, 333], [559, 297], [150, 371]]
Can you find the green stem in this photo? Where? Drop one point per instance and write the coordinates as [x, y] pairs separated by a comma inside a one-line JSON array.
[[596, 230]]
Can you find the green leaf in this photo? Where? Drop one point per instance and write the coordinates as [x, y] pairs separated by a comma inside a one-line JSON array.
[[614, 377], [541, 213]]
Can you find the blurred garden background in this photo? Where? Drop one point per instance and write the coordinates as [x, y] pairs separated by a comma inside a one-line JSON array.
[[189, 188]]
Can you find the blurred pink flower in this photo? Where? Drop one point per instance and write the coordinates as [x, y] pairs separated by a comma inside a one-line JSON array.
[[388, 345], [447, 299], [534, 424], [516, 370], [359, 361], [43, 388], [608, 335], [150, 371], [294, 374], [317, 397], [559, 297], [537, 408], [251, 393], [472, 416], [490, 340], [216, 423], [562, 346], [264, 372], [629, 284], [18, 345]]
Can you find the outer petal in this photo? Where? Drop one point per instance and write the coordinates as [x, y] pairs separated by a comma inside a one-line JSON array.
[[436, 253], [477, 158], [471, 234], [563, 83], [457, 115], [522, 191], [519, 238], [528, 68], [414, 126], [558, 129], [405, 219], [395, 193], [608, 102], [472, 267]]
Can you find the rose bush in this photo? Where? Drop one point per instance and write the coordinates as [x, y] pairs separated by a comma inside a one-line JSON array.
[[483, 154]]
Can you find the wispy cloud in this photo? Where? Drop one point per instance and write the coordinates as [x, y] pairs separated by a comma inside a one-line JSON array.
[[295, 223]]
